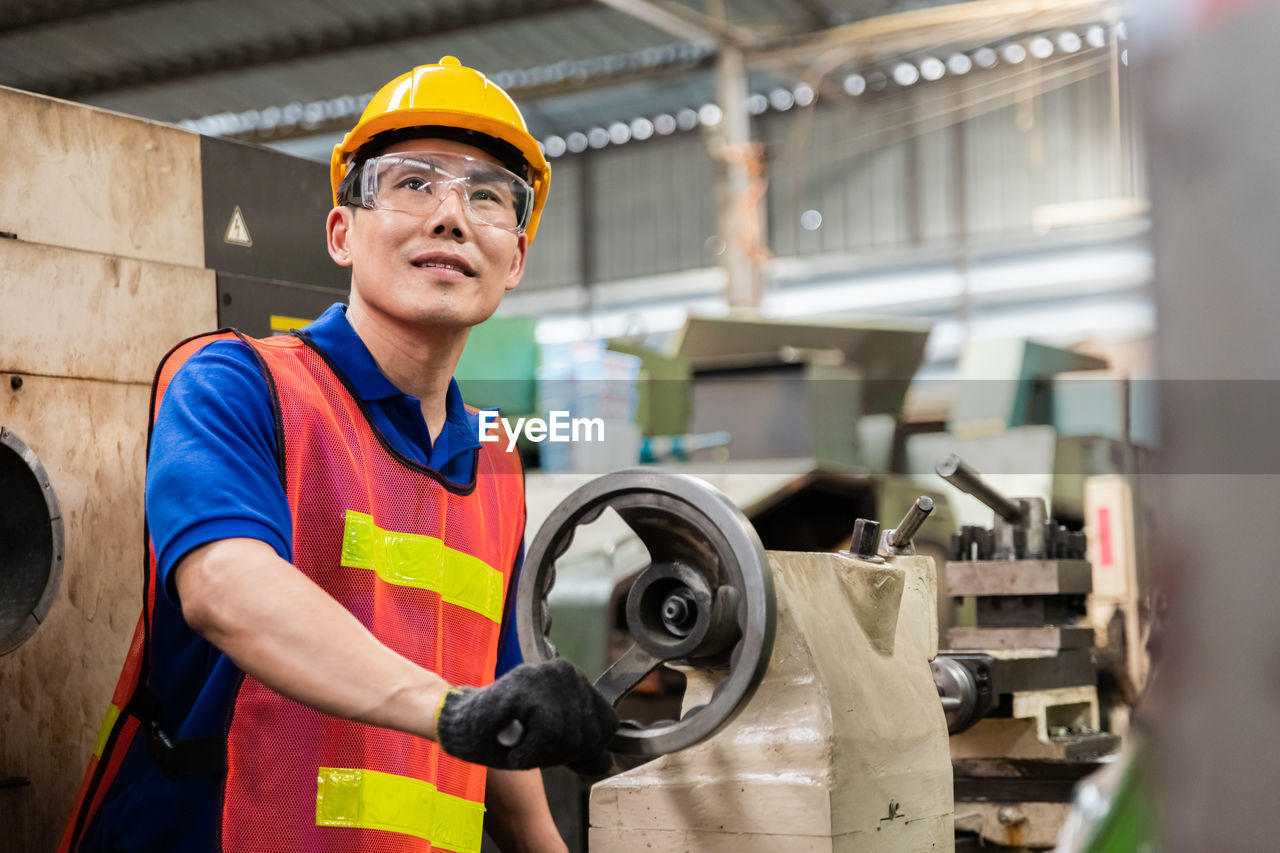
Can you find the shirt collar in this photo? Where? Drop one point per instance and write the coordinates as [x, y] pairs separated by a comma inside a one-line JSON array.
[[333, 333]]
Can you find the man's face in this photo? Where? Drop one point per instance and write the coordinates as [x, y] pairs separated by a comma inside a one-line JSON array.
[[442, 270]]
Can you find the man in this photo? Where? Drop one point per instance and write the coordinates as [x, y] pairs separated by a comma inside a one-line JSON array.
[[332, 546]]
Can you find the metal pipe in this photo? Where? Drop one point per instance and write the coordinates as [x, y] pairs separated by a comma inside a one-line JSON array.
[[957, 473], [901, 535]]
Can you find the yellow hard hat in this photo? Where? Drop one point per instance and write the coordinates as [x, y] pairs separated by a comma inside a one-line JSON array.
[[447, 95]]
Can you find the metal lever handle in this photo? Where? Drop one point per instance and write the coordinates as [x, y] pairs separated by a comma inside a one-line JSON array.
[[957, 473], [900, 536]]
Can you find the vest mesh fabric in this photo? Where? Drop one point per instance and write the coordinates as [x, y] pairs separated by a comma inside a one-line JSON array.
[[336, 465], [416, 527]]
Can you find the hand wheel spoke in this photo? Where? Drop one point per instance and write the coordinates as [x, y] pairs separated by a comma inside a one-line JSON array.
[[705, 559], [626, 672]]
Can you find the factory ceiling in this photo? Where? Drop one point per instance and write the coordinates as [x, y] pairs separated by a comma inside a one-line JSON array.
[[298, 69]]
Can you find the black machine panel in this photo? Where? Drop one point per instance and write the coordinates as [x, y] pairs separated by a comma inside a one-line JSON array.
[[261, 306], [264, 214]]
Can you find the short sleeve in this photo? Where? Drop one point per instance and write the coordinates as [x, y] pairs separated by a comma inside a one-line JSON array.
[[212, 469]]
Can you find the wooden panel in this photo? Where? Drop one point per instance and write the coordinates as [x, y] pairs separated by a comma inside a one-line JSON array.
[[85, 178], [78, 314], [90, 437]]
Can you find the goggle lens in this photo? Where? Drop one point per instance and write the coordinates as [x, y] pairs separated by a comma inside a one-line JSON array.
[[417, 183]]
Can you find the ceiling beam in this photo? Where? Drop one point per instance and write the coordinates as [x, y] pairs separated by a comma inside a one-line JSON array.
[[350, 33], [682, 22], [817, 12], [886, 36]]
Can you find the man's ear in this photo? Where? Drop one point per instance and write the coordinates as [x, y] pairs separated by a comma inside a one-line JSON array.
[[517, 262], [338, 233]]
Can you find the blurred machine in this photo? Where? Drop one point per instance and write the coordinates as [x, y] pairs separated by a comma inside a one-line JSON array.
[[1019, 688], [810, 388], [809, 715]]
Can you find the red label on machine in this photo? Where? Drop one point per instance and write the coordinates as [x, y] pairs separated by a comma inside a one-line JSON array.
[[1105, 557]]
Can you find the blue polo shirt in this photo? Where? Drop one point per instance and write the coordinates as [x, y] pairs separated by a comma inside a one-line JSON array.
[[212, 474]]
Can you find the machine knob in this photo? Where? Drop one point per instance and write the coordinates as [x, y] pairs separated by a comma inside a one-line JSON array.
[[866, 538]]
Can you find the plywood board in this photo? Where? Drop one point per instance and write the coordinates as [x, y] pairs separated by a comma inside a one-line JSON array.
[[90, 437], [85, 178], [78, 314]]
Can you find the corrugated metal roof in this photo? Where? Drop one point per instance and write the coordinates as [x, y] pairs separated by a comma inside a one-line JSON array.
[[176, 60]]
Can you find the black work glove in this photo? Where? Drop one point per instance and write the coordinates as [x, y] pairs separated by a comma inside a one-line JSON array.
[[562, 719]]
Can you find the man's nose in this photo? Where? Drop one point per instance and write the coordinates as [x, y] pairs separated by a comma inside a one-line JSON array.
[[450, 216]]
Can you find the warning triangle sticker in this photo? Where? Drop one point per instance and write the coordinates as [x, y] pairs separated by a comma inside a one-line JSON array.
[[237, 232]]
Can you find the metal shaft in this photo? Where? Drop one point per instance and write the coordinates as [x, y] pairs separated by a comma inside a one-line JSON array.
[[906, 529], [957, 473]]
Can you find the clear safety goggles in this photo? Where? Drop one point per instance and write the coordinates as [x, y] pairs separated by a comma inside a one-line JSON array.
[[417, 182]]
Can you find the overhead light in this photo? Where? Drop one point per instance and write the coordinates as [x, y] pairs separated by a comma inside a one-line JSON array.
[[641, 129], [687, 119], [958, 63], [985, 57], [576, 142], [710, 115], [555, 146], [1069, 42], [905, 74], [665, 124], [781, 99], [1124, 56], [855, 84], [803, 95], [876, 81], [1040, 47], [757, 104], [1096, 36], [932, 68], [811, 220], [1013, 53], [619, 133], [597, 137]]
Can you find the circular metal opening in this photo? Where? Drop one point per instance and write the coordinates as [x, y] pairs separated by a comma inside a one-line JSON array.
[[30, 542]]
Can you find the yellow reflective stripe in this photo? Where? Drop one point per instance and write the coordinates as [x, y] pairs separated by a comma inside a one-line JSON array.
[[424, 562], [108, 723], [369, 799], [284, 324], [458, 824]]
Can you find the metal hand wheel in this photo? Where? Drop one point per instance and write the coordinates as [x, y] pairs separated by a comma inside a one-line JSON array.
[[705, 599]]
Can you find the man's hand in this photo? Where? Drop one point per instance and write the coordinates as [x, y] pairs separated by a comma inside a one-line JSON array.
[[564, 720]]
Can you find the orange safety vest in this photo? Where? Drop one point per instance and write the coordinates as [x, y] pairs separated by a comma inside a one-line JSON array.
[[422, 563]]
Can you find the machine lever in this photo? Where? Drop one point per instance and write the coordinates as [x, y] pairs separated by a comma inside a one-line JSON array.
[[954, 470], [900, 536]]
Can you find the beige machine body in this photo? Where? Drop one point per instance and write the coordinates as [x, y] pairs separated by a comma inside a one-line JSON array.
[[843, 746], [98, 278]]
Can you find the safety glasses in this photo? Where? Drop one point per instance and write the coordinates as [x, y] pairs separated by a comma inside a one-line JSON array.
[[417, 182]]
